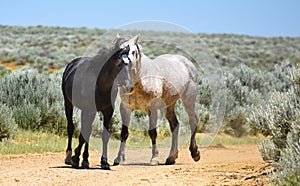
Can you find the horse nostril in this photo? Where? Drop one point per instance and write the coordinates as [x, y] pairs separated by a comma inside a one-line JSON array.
[[130, 89]]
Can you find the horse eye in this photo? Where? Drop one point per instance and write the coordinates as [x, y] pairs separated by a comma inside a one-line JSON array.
[[133, 52]]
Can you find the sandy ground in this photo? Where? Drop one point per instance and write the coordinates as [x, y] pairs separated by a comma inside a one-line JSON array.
[[230, 165]]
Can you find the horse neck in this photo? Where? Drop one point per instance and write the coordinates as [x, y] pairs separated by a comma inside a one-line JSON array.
[[137, 72], [105, 78]]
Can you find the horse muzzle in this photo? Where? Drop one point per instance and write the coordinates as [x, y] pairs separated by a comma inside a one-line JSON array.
[[128, 87]]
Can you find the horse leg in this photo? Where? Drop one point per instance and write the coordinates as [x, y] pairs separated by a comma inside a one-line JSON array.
[[153, 134], [70, 128], [125, 116], [105, 137], [86, 122], [189, 104], [195, 153], [75, 159], [87, 119], [174, 125]]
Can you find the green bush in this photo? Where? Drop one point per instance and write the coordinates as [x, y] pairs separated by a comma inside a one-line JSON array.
[[35, 99], [8, 126], [275, 117], [267, 150], [288, 172], [27, 115], [3, 71], [244, 90], [279, 118]]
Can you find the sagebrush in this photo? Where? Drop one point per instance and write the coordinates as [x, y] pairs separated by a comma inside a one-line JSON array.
[[279, 118]]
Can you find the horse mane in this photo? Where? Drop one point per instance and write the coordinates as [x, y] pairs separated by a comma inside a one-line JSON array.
[[119, 41], [105, 53]]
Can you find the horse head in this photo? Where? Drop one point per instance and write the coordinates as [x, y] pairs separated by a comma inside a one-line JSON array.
[[122, 69], [129, 60], [134, 51]]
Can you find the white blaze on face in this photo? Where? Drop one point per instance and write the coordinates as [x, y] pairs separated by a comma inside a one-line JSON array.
[[125, 60], [132, 52]]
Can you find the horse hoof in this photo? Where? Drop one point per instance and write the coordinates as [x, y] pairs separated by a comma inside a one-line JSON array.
[[196, 156], [154, 161], [75, 161], [85, 164], [118, 160], [116, 163], [170, 161], [68, 157], [105, 166]]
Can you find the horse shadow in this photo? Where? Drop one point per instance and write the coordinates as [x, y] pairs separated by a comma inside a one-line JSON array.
[[97, 167], [142, 164]]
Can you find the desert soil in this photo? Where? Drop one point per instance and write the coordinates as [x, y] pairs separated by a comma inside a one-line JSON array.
[[229, 165]]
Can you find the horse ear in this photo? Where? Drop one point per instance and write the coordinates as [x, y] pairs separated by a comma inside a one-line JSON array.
[[136, 38], [118, 35]]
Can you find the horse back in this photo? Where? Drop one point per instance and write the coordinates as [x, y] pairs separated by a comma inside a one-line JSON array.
[[69, 76], [180, 64], [169, 72], [72, 66]]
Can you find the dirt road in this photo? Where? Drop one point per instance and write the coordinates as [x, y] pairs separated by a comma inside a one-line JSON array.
[[230, 165]]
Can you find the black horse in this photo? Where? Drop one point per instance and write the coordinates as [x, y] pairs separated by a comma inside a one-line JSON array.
[[88, 83]]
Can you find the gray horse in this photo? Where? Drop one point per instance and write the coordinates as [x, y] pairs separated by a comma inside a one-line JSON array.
[[158, 84]]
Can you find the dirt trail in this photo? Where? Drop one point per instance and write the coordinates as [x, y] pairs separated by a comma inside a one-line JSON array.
[[230, 165]]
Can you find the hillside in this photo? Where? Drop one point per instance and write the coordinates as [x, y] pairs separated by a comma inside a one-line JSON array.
[[52, 47]]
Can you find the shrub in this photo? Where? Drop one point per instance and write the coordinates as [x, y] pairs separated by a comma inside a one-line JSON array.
[[35, 99], [246, 91], [275, 118], [27, 115], [279, 118], [8, 126], [267, 150], [3, 71], [288, 172], [243, 91]]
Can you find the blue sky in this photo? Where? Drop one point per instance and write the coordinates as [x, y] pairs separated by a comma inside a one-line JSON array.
[[253, 17]]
